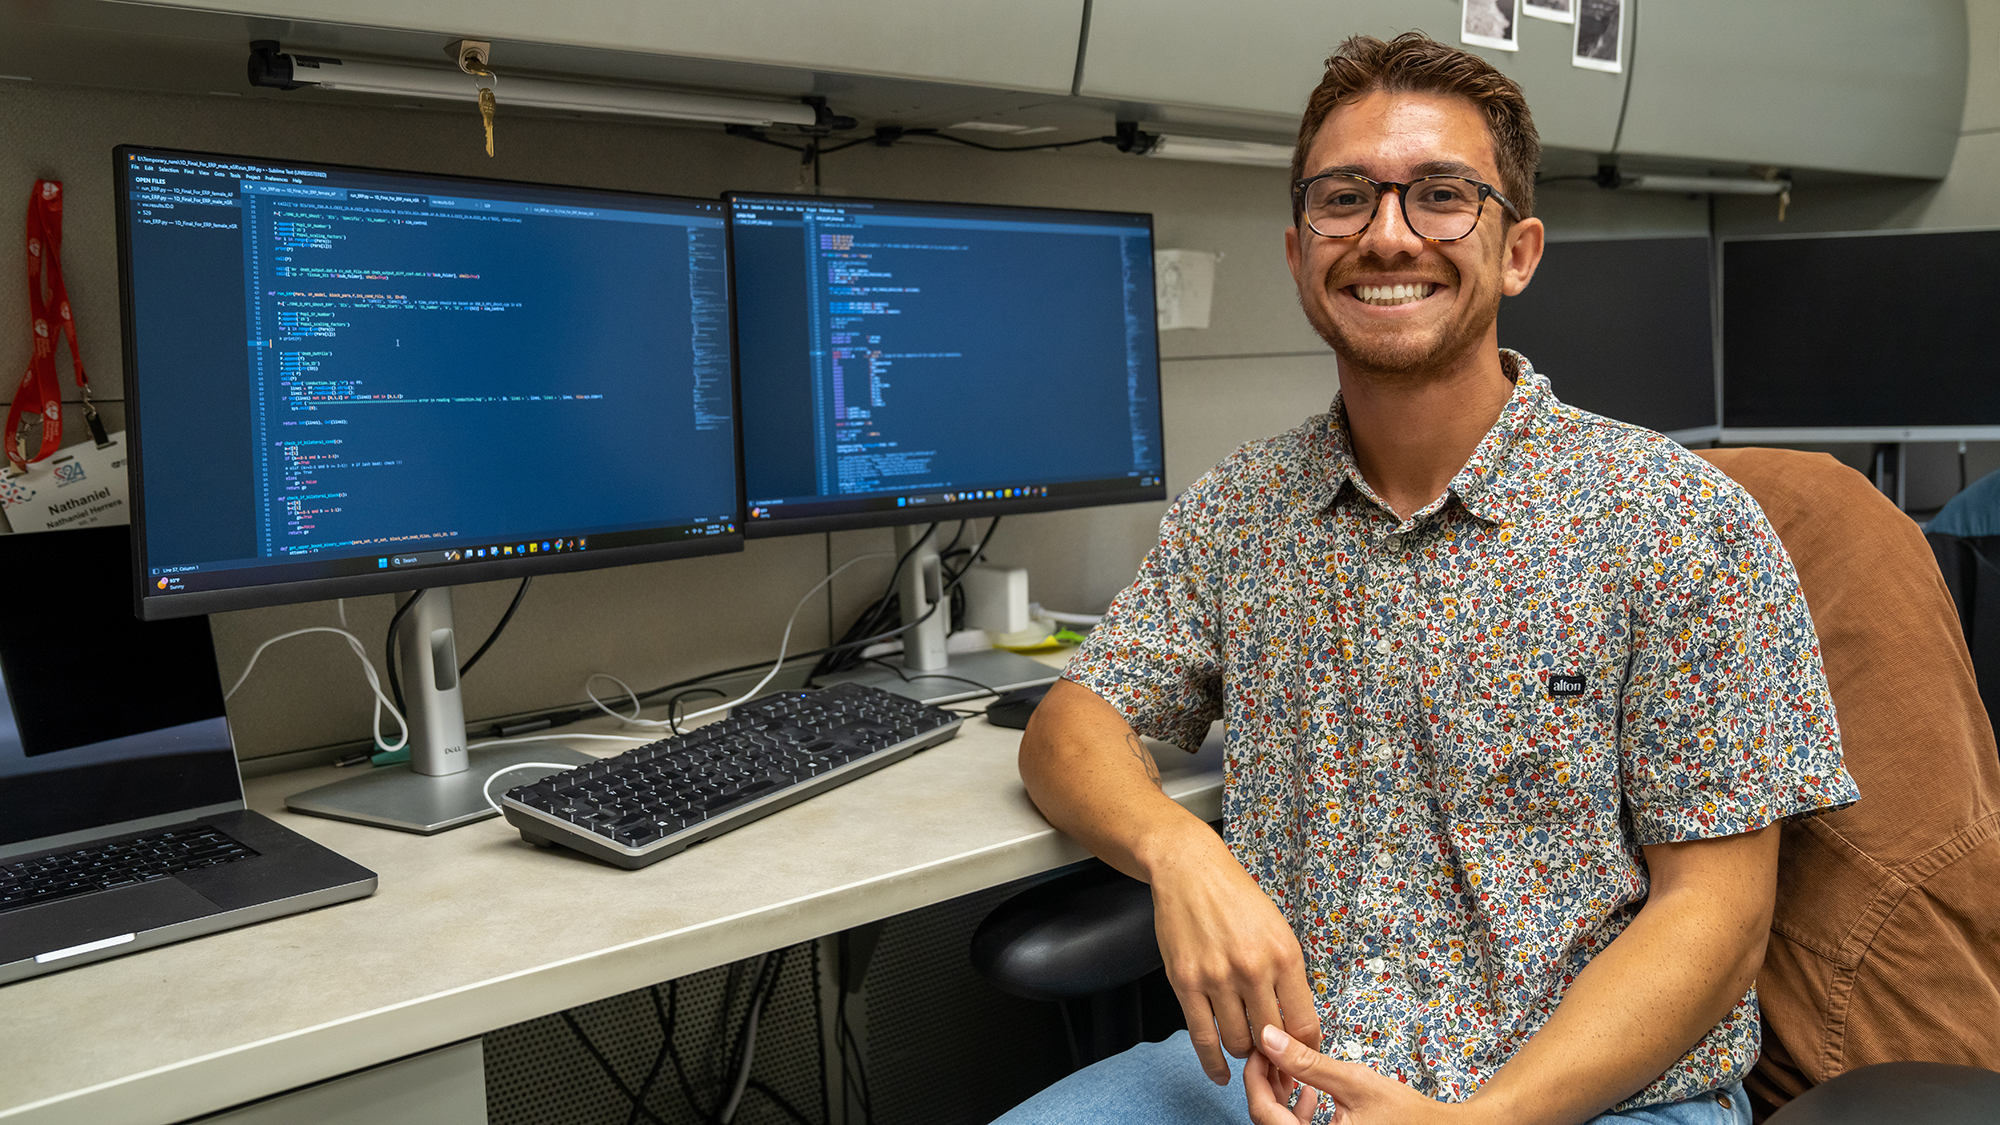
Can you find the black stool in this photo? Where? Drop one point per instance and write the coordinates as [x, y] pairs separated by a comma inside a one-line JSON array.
[[1083, 940]]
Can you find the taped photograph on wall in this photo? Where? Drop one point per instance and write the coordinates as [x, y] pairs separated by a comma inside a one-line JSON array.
[[1598, 23], [1490, 23], [1558, 11]]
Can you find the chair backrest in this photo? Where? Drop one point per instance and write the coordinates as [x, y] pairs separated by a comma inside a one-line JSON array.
[[1886, 941]]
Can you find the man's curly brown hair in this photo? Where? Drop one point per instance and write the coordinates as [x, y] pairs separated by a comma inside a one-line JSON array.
[[1414, 63]]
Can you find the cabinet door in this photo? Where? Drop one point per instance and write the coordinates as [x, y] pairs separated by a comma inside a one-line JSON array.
[[1264, 56], [1852, 85], [1005, 44]]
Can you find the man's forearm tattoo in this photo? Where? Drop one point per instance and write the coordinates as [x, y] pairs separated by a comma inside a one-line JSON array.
[[1145, 757]]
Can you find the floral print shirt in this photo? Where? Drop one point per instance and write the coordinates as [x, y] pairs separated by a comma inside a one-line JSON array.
[[1448, 737]]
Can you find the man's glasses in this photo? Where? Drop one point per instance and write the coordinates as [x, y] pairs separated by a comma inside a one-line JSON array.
[[1436, 208]]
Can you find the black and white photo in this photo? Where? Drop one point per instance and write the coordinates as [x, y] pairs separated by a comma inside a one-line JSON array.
[[1491, 23], [1557, 11], [1598, 24]]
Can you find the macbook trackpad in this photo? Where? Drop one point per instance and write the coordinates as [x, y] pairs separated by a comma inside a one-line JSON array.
[[67, 923]]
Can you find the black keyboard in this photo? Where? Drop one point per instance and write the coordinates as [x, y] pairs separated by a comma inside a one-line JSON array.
[[102, 867], [647, 804]]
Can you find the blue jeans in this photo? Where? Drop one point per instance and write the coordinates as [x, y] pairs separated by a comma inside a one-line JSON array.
[[1163, 1082]]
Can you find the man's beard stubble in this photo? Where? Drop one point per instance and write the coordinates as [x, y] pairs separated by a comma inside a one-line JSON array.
[[1403, 357]]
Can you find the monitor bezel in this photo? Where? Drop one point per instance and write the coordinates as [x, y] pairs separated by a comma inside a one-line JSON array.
[[288, 592], [959, 509], [1889, 433]]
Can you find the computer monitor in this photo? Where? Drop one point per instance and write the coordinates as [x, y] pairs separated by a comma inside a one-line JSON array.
[[1830, 337], [1623, 327], [908, 362], [345, 381]]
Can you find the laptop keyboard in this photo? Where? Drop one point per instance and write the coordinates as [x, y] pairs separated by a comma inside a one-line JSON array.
[[103, 867]]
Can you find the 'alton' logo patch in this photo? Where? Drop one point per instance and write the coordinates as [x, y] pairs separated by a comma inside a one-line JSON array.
[[1565, 687]]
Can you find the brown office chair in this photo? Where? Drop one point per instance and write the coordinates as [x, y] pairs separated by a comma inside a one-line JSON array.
[[1883, 977], [1886, 942]]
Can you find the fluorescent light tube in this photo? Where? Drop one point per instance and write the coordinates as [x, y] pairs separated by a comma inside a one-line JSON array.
[[1721, 185], [539, 93], [1222, 152]]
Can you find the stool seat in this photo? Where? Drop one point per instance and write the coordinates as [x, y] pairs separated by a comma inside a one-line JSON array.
[[1075, 936], [1909, 1093]]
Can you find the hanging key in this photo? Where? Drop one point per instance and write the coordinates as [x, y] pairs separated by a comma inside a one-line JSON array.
[[486, 114]]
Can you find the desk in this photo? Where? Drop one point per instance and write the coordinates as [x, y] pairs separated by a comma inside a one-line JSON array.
[[474, 930]]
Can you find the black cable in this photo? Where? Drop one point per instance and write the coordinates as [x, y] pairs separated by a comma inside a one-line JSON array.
[[578, 711], [497, 629], [389, 650], [778, 1100], [819, 1037], [845, 145], [871, 615], [1539, 180], [751, 133], [882, 609], [862, 1087], [673, 705], [646, 1090], [984, 690], [610, 1072], [1001, 148], [758, 996], [668, 1017]]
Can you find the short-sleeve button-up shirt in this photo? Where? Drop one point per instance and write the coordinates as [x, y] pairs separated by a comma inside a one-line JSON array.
[[1449, 736]]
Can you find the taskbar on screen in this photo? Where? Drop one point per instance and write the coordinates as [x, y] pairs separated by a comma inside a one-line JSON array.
[[304, 567], [937, 502]]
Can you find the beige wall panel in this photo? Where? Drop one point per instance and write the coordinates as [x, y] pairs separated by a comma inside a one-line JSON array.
[[1982, 80]]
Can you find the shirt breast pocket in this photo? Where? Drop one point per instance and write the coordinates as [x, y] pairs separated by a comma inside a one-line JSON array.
[[1532, 738]]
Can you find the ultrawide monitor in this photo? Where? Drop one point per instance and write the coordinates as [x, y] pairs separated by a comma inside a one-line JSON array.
[[1623, 328], [1831, 337], [907, 362], [345, 381]]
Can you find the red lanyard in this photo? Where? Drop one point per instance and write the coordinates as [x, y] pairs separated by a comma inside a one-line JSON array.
[[39, 391]]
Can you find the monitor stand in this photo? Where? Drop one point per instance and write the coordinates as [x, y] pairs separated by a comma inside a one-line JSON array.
[[928, 673], [441, 787]]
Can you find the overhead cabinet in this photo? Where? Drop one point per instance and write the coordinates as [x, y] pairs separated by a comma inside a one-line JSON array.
[[1845, 85], [1027, 45], [1262, 57]]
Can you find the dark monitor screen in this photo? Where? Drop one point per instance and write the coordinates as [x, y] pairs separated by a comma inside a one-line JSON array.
[[1832, 331], [345, 381], [911, 361], [104, 718], [1623, 328]]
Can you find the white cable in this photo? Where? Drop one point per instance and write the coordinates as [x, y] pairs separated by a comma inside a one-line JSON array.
[[728, 1112], [486, 790], [783, 642], [548, 737], [340, 604], [637, 707], [374, 683]]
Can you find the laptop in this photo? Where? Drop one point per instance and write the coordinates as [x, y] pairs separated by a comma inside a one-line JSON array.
[[122, 822]]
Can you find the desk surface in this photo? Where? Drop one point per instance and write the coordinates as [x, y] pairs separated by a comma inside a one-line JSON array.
[[473, 930]]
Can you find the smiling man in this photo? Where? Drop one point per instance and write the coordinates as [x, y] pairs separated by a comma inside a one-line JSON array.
[[1513, 695]]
